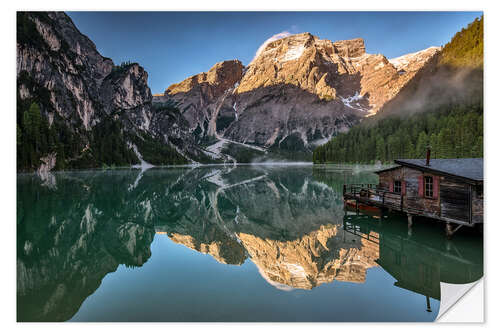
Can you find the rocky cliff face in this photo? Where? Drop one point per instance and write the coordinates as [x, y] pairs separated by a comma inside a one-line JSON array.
[[82, 94], [297, 92], [56, 61], [413, 62], [201, 96]]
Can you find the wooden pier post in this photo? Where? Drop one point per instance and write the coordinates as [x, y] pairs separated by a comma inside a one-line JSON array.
[[410, 224], [428, 304], [450, 231], [410, 221]]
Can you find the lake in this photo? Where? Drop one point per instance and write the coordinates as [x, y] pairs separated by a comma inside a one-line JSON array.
[[216, 243]]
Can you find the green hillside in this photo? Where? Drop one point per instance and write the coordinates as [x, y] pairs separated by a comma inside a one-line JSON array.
[[465, 48], [452, 132]]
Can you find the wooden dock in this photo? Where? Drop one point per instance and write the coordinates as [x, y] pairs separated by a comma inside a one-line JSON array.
[[359, 195], [446, 190]]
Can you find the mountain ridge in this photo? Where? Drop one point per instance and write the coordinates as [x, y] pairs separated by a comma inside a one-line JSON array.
[[81, 109], [77, 109], [298, 91]]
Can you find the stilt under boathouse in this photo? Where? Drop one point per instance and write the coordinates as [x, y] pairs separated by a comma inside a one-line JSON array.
[[445, 190]]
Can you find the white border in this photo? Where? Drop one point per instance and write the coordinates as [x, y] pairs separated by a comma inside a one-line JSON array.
[[462, 311], [8, 199]]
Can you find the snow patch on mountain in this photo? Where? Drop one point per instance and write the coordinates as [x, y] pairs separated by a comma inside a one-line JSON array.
[[351, 100], [402, 62], [294, 52], [277, 36], [235, 111]]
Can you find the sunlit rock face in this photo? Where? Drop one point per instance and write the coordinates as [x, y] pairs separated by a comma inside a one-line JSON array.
[[201, 96], [224, 249], [320, 257], [412, 62], [289, 226], [340, 70], [297, 92]]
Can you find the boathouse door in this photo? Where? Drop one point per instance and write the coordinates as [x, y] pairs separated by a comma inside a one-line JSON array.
[[455, 201]]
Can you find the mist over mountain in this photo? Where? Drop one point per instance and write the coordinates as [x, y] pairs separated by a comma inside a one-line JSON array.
[[440, 107], [454, 76]]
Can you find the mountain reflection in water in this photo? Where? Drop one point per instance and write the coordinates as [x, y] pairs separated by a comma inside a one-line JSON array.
[[287, 221]]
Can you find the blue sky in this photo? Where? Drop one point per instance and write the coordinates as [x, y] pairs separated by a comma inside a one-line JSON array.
[[174, 45]]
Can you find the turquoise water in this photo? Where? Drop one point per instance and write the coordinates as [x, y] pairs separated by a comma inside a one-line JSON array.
[[246, 243]]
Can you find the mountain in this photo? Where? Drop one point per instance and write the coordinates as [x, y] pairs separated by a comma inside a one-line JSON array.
[[441, 106], [76, 108], [413, 62], [297, 92], [454, 76]]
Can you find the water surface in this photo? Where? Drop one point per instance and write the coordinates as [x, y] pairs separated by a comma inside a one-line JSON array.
[[246, 243]]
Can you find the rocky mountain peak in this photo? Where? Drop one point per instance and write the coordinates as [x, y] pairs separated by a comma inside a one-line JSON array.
[[350, 48], [308, 62], [80, 94], [126, 88], [299, 60], [296, 92], [221, 76]]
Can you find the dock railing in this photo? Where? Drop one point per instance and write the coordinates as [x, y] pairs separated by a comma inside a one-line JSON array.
[[372, 194]]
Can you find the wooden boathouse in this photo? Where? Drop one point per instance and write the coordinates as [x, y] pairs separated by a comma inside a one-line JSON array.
[[446, 190]]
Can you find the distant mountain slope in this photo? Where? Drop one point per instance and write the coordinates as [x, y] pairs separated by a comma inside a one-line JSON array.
[[441, 106], [454, 76], [298, 92]]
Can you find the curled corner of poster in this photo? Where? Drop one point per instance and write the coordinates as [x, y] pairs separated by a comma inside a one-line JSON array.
[[462, 303]]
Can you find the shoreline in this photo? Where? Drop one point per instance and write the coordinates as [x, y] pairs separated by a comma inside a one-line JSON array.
[[200, 165]]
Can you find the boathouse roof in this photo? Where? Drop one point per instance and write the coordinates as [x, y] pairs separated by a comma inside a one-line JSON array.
[[465, 168]]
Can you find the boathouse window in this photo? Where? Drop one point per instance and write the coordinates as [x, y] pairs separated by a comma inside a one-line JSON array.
[[428, 183], [397, 186]]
